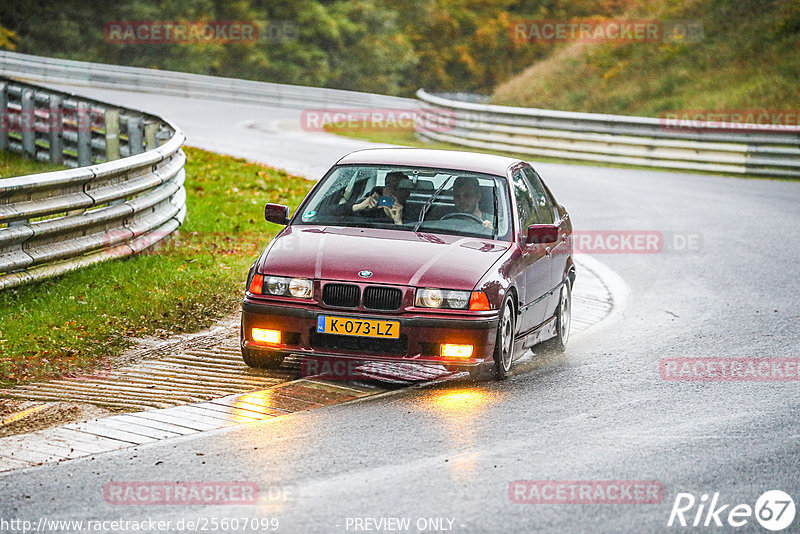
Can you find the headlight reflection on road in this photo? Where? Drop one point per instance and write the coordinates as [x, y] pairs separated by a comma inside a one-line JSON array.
[[458, 402], [457, 408], [274, 495], [256, 400]]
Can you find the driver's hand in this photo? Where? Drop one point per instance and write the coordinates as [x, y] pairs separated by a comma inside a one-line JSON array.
[[368, 203], [395, 212], [488, 225]]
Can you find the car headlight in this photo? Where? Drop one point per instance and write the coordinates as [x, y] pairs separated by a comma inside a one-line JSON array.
[[280, 286], [300, 288], [441, 298]]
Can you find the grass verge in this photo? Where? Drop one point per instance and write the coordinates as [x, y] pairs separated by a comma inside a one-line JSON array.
[[80, 321], [736, 57], [12, 164]]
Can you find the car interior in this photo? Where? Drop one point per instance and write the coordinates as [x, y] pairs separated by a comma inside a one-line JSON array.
[[351, 185]]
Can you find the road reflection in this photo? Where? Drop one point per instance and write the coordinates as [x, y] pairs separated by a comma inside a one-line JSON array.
[[256, 400], [264, 450], [273, 402], [458, 403], [457, 410]]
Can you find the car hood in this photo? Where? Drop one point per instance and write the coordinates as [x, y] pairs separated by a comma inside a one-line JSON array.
[[393, 256]]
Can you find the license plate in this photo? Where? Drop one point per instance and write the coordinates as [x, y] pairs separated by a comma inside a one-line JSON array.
[[348, 326]]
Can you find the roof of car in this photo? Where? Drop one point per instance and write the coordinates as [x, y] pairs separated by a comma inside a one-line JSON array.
[[425, 157]]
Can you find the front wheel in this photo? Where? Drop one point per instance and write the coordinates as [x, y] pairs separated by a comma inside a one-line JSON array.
[[563, 319], [504, 346]]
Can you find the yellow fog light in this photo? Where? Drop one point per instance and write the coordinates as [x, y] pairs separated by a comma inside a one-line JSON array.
[[262, 335], [456, 351]]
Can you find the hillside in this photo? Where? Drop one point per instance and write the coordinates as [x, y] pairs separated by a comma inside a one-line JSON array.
[[748, 58]]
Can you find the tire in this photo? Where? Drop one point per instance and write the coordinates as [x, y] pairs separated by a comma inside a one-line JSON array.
[[563, 319], [504, 344], [262, 359]]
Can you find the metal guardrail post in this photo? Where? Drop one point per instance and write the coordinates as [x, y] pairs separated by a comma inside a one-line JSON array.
[[135, 135], [27, 123], [112, 134], [84, 121], [150, 131], [55, 124]]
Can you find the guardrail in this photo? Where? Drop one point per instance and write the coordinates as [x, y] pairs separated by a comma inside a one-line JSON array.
[[106, 207], [616, 139], [45, 69]]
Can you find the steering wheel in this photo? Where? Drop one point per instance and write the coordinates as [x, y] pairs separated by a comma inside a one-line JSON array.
[[462, 215]]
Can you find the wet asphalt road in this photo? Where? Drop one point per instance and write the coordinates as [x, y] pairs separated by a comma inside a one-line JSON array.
[[599, 412]]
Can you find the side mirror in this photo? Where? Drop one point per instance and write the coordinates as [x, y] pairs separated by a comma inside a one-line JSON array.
[[276, 213], [542, 234]]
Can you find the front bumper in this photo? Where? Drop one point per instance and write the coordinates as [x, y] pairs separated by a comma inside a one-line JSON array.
[[421, 334]]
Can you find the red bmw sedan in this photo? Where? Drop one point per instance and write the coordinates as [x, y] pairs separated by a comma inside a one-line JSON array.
[[414, 255]]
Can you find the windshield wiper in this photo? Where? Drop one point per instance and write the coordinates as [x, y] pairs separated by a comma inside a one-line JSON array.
[[429, 202]]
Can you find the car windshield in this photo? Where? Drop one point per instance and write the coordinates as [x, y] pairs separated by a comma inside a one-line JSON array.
[[442, 201]]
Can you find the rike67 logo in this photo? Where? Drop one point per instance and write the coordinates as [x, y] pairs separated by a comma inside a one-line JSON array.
[[774, 510]]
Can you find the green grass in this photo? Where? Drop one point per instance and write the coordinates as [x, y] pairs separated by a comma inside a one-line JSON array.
[[746, 59], [82, 320], [12, 164]]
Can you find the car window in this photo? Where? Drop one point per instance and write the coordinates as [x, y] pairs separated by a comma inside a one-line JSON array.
[[525, 203], [544, 207], [430, 200]]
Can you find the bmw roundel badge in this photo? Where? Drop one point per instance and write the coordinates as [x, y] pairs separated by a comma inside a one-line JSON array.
[[365, 274]]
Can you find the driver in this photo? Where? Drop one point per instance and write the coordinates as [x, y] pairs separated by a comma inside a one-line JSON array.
[[466, 197]]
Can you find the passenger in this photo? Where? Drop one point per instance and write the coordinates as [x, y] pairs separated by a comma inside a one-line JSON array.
[[368, 207]]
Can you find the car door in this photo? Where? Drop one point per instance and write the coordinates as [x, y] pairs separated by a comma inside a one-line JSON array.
[[557, 255], [533, 257]]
